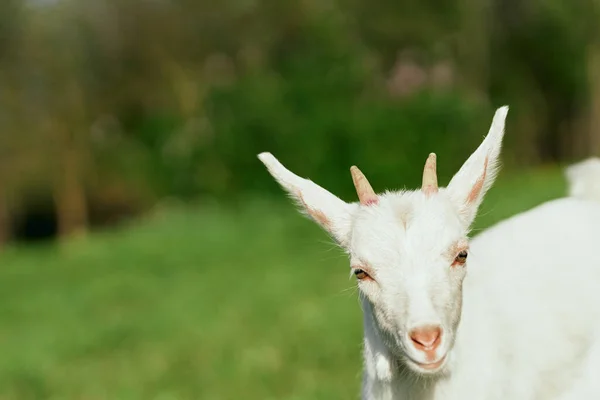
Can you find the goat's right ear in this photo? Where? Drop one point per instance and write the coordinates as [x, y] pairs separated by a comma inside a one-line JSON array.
[[330, 212], [468, 187]]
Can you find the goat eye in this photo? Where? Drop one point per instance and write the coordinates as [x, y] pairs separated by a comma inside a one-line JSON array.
[[461, 258], [360, 274]]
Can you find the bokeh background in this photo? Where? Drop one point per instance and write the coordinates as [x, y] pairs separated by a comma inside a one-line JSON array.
[[146, 252]]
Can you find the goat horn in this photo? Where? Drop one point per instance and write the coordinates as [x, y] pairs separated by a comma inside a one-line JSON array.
[[365, 192], [430, 184]]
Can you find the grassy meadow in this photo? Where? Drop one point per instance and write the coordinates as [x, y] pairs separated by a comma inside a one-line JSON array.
[[249, 302]]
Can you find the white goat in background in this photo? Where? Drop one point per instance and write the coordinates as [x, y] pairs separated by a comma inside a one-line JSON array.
[[584, 179], [512, 314]]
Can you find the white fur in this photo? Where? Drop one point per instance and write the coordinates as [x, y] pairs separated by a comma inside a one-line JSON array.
[[523, 323], [583, 179]]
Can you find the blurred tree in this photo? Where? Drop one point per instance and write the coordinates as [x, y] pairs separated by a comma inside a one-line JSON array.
[[593, 76], [473, 43], [11, 24], [63, 102]]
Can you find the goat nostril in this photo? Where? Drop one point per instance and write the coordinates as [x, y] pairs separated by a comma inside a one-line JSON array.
[[426, 338]]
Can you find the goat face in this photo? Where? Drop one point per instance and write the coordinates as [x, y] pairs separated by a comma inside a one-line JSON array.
[[409, 254]]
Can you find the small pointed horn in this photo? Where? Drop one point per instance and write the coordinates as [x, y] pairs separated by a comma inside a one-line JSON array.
[[365, 192], [430, 184]]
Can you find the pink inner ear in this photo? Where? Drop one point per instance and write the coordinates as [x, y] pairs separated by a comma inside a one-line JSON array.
[[317, 215], [474, 193], [371, 201]]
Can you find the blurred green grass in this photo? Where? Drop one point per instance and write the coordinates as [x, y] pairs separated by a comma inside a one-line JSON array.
[[205, 303]]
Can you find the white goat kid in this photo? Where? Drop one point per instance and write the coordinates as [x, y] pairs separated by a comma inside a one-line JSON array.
[[523, 324]]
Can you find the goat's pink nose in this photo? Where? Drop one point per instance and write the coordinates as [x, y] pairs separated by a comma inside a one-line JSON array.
[[426, 338]]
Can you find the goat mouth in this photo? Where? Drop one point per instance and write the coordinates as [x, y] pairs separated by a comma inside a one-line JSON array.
[[430, 367]]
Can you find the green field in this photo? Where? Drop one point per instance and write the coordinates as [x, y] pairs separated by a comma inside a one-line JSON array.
[[205, 303]]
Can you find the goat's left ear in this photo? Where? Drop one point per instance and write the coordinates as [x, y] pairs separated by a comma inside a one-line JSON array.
[[468, 187], [330, 212]]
